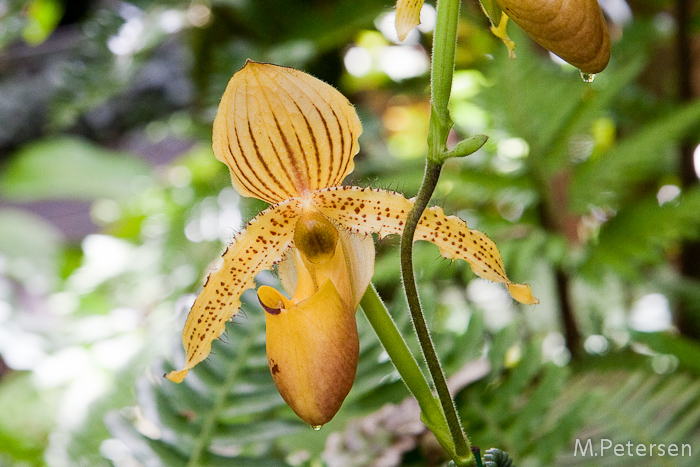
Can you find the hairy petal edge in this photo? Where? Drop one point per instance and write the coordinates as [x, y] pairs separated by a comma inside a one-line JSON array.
[[253, 250], [367, 210]]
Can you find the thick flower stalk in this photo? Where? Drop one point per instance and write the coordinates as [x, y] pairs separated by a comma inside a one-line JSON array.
[[290, 139]]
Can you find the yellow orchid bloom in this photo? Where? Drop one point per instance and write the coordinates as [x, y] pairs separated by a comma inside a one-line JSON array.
[[290, 139]]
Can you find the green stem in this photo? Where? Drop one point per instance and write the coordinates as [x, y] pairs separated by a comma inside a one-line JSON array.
[[444, 44], [411, 374], [460, 441], [441, 73], [209, 423], [395, 345]]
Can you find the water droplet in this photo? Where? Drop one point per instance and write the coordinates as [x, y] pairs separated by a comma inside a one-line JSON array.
[[587, 77], [316, 427]]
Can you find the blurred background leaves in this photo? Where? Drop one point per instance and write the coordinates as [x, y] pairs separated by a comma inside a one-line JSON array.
[[113, 209]]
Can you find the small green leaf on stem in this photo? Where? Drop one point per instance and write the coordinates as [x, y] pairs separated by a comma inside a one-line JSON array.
[[466, 147]]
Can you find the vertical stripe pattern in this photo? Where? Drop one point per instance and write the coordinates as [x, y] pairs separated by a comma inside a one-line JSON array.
[[284, 133]]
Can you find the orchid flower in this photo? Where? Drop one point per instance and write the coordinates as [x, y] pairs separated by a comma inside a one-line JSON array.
[[289, 139]]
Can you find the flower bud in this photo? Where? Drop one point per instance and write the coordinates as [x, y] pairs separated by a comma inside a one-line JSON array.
[[575, 30]]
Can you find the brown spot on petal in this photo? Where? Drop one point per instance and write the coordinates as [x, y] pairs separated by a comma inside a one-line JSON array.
[[219, 300], [384, 212]]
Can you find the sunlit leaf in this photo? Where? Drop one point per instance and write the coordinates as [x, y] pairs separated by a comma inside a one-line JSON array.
[[26, 418], [70, 168], [43, 16], [30, 239]]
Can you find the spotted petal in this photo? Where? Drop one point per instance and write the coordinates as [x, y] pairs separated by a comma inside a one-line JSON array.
[[255, 249], [367, 210], [284, 133]]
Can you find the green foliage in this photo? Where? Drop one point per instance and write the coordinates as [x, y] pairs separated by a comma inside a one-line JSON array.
[[513, 411], [640, 407], [536, 411], [68, 168], [198, 428], [229, 406], [43, 16], [617, 175], [24, 236], [641, 234], [25, 421], [569, 185]]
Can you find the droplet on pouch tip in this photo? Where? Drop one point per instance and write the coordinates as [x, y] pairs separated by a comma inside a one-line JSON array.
[[316, 427], [587, 77]]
